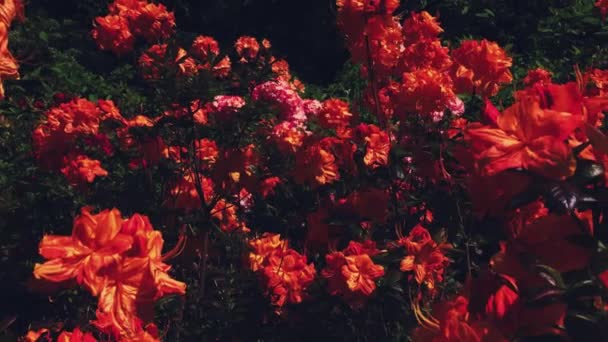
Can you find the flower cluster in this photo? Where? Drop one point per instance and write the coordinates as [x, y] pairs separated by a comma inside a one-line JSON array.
[[9, 69], [56, 139], [283, 272], [129, 19], [119, 261]]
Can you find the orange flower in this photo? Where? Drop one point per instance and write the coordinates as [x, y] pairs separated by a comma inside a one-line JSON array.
[[226, 213], [112, 33], [288, 136], [480, 67], [153, 22], [267, 186], [316, 166], [425, 54], [96, 243], [80, 169], [424, 257], [425, 91], [286, 276], [9, 69], [135, 283], [420, 26], [154, 62], [247, 48], [206, 49], [262, 247], [377, 145], [36, 336], [76, 336], [526, 137], [352, 274], [206, 151], [335, 114]]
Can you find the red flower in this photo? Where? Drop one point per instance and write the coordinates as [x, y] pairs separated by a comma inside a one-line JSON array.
[[286, 275], [96, 242], [480, 67], [377, 145], [206, 151], [247, 48], [421, 26], [424, 257], [425, 91], [603, 6], [316, 166], [205, 48], [153, 22], [537, 76], [335, 114], [112, 33], [76, 336], [226, 214], [9, 69], [526, 137], [352, 274], [267, 186], [80, 169]]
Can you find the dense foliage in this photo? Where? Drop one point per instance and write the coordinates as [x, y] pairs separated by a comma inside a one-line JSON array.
[[419, 170]]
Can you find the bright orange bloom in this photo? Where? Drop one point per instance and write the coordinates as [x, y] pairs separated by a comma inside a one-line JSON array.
[[420, 26], [335, 113], [480, 67], [9, 69], [112, 33], [247, 48], [289, 136], [425, 91], [79, 116], [425, 54], [35, 336], [96, 243], [526, 137], [286, 275], [316, 166], [81, 169], [154, 62], [377, 145], [153, 22], [206, 151], [205, 48], [262, 247], [351, 273], [135, 283], [76, 336], [226, 213], [385, 44], [424, 257]]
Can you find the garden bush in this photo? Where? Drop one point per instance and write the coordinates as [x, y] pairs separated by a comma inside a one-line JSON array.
[[277, 170]]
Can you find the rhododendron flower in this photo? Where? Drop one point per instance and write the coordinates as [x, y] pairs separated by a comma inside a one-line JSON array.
[[205, 48], [226, 214], [369, 6], [425, 54], [525, 136], [377, 145], [247, 48], [288, 136], [283, 272], [316, 166], [286, 275], [424, 257], [425, 91], [335, 113], [420, 26], [236, 166], [290, 105], [262, 247], [36, 335], [206, 151], [153, 22], [134, 284], [78, 116], [185, 195], [224, 107], [352, 273], [81, 169], [9, 69], [96, 243], [538, 75], [480, 67], [112, 33], [154, 62]]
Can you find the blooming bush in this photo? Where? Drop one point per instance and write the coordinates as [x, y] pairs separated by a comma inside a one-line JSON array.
[[161, 185]]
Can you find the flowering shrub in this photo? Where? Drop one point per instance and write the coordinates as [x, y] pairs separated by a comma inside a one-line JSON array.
[[180, 189]]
